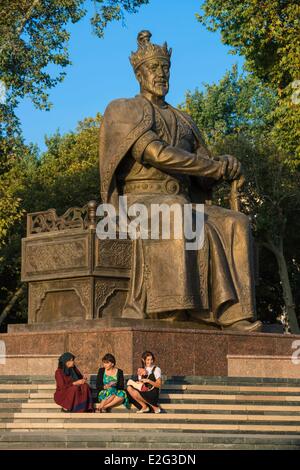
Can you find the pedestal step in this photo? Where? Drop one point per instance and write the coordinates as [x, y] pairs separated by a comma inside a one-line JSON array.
[[97, 439], [196, 413]]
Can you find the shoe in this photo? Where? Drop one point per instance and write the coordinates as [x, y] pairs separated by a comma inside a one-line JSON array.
[[157, 411], [144, 410], [64, 411], [244, 325]]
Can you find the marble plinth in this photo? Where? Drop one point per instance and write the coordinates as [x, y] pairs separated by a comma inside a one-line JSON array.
[[179, 351]]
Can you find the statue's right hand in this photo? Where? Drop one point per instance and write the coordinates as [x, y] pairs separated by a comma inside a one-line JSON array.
[[231, 167]]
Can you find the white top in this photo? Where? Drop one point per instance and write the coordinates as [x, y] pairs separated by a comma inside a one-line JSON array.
[[157, 372]]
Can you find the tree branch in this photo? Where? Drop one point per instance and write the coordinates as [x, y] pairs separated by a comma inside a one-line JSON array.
[[11, 303]]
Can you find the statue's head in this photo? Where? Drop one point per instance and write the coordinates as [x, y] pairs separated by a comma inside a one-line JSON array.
[[151, 64]]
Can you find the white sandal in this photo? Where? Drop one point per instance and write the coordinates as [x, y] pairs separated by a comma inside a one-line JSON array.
[[144, 410]]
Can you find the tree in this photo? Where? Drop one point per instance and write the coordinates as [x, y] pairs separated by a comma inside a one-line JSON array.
[[236, 117], [238, 104], [66, 175], [272, 199], [33, 36], [267, 34]]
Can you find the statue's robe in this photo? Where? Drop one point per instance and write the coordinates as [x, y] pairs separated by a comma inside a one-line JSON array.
[[214, 284]]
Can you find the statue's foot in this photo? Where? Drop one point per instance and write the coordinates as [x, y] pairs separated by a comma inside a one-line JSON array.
[[175, 315], [244, 325]]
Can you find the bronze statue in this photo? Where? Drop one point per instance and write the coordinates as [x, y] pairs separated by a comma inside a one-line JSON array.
[[154, 153]]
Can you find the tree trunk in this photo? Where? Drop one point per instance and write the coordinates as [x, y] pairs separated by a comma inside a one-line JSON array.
[[11, 303], [286, 285]]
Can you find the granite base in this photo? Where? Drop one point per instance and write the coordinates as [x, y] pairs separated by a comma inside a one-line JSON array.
[[179, 351]]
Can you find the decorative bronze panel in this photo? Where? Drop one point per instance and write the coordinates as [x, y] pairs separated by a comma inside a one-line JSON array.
[[52, 256], [110, 297], [114, 254], [64, 299]]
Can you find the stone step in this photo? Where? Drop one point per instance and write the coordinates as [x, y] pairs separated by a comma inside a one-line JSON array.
[[232, 397], [170, 396], [139, 425], [188, 403], [144, 447], [154, 418], [198, 413], [231, 380], [25, 387], [165, 401], [26, 379], [14, 439], [176, 387], [44, 407], [185, 380]]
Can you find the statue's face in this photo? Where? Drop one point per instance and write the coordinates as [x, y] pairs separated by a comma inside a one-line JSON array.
[[154, 77]]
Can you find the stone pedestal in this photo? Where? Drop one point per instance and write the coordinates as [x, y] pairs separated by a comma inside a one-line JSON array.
[[179, 351], [71, 274], [77, 288]]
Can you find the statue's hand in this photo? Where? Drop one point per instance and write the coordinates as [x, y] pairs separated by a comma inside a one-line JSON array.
[[231, 167]]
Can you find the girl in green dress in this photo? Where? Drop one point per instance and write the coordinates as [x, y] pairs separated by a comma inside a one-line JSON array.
[[110, 386]]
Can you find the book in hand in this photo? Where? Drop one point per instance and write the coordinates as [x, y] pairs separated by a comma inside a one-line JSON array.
[[112, 384]]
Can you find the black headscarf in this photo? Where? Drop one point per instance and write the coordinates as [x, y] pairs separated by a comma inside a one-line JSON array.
[[70, 371]]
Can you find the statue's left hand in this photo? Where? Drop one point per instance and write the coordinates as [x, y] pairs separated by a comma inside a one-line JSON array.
[[232, 167]]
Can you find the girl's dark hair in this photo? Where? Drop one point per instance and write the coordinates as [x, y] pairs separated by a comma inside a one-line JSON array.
[[65, 358], [145, 355], [109, 358]]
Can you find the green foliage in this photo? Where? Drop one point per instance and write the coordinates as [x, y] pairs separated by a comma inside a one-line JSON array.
[[13, 153], [66, 175], [33, 36], [113, 11], [236, 117], [267, 34], [237, 104]]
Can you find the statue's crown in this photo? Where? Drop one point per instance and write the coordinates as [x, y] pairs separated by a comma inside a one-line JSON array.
[[146, 50]]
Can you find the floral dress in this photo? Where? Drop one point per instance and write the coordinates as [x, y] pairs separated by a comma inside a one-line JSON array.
[[108, 392]]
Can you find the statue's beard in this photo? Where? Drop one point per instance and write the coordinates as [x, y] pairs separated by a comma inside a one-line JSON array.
[[158, 87]]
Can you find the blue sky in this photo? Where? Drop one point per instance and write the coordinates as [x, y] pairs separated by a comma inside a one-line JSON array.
[[101, 72]]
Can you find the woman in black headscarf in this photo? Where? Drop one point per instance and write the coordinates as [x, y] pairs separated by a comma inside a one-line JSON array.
[[72, 391]]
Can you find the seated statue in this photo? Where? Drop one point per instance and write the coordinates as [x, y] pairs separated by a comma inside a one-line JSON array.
[[154, 154]]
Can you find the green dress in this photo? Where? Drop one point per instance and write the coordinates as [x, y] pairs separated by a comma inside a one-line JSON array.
[[108, 392]]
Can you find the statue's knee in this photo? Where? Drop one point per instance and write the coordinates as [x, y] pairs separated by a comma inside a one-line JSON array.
[[239, 219], [243, 220]]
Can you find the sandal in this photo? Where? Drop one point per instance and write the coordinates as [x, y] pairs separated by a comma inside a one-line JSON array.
[[144, 410]]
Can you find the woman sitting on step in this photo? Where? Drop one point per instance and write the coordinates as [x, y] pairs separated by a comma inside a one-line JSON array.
[[110, 386], [145, 397], [73, 393]]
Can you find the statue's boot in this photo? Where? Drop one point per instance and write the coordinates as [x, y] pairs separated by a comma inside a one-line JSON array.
[[174, 315], [202, 318], [244, 325]]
